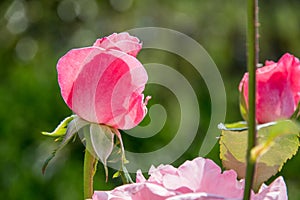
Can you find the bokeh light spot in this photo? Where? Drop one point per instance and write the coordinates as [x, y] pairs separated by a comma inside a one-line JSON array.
[[68, 10], [121, 5], [17, 21], [26, 48]]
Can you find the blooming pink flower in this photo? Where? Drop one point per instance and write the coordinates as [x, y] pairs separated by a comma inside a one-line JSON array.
[[194, 180], [104, 83], [278, 89]]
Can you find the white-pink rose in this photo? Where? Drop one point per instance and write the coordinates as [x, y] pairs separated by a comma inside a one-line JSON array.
[[199, 179]]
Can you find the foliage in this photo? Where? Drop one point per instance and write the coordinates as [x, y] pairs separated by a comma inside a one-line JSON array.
[[275, 138]]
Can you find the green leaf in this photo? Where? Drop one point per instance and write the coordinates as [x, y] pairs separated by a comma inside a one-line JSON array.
[[61, 129], [296, 114], [117, 174], [72, 128], [276, 143], [124, 174], [237, 126]]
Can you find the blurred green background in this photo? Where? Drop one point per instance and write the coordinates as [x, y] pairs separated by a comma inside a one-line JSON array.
[[35, 34]]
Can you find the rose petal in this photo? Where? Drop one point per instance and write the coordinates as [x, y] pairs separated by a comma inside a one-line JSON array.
[[157, 174], [275, 191], [198, 175], [103, 86], [68, 68], [135, 191], [199, 196], [140, 177], [122, 42]]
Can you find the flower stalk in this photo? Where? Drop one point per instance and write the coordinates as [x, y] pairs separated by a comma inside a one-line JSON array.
[[252, 62], [89, 167], [89, 170]]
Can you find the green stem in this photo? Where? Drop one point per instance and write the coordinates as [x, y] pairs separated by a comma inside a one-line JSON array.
[[252, 61], [89, 170]]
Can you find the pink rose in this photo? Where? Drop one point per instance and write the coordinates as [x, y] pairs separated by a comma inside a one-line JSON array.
[[104, 83], [278, 89], [194, 180]]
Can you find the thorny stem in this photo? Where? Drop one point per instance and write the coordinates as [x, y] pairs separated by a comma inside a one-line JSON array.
[[252, 62]]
